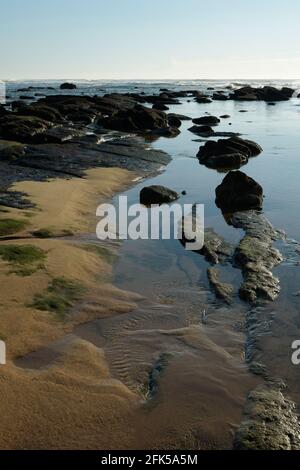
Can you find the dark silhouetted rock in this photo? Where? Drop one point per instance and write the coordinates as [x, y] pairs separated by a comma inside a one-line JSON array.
[[174, 121], [160, 107], [157, 195], [207, 121], [266, 93], [229, 153], [137, 119], [202, 130], [238, 192], [181, 117], [68, 86]]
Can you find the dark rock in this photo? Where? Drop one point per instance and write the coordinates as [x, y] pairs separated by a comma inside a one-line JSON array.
[[207, 121], [165, 132], [201, 130], [267, 93], [160, 107], [238, 192], [137, 119], [181, 117], [174, 121], [68, 86], [225, 116], [229, 153], [203, 99], [3, 111], [23, 129], [157, 195], [26, 98], [219, 97]]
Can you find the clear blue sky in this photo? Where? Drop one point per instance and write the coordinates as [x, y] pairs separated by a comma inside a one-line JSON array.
[[121, 39]]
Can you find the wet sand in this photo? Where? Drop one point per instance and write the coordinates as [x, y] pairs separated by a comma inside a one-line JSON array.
[[121, 372]]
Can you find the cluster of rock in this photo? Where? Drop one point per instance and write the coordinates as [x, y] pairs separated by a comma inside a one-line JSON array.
[[229, 153], [266, 93]]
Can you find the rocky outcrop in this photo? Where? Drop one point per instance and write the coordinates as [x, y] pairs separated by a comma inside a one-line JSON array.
[[238, 192], [256, 256], [222, 290], [215, 249], [229, 153], [25, 129], [157, 195], [266, 93], [270, 422], [136, 119]]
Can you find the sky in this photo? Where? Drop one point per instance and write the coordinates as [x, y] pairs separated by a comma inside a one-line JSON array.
[[149, 39]]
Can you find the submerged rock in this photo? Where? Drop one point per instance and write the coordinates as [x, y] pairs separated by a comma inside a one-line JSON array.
[[222, 290], [215, 249], [238, 192], [271, 422], [156, 194]]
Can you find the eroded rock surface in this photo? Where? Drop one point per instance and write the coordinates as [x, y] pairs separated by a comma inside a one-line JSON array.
[[256, 257], [270, 423], [222, 290]]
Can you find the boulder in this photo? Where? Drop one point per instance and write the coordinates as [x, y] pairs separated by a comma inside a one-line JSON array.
[[238, 192], [207, 121], [229, 153], [202, 130], [136, 119], [157, 195], [68, 86]]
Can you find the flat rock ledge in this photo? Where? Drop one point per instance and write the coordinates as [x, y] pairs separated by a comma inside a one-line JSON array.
[[256, 256], [270, 423]]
